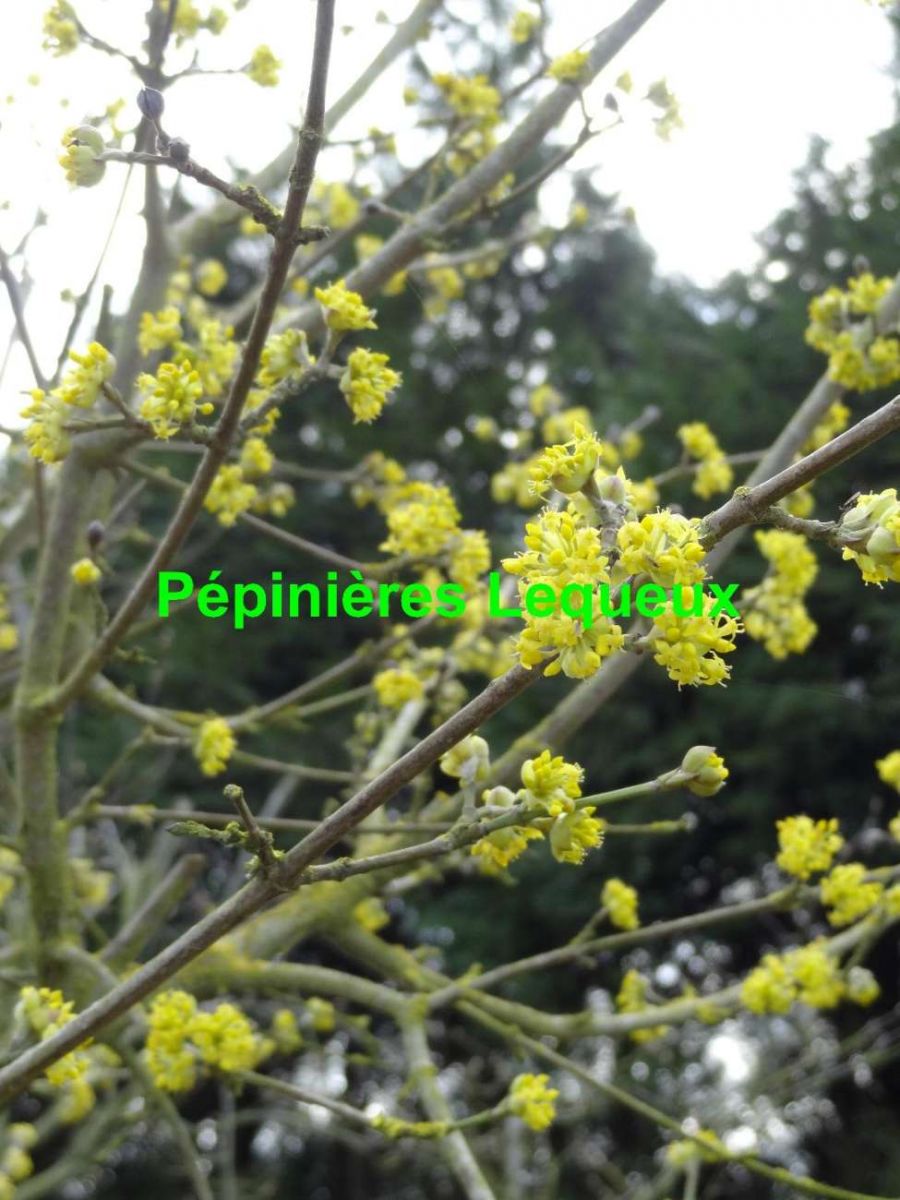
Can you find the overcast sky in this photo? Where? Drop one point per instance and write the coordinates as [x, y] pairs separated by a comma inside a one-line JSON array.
[[755, 78]]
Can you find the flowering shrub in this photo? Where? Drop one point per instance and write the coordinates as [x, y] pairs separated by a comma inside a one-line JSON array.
[[151, 986]]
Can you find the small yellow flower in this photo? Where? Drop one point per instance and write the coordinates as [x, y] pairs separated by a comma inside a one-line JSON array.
[[573, 834], [214, 745], [807, 846], [211, 277], [551, 784], [322, 1013], [367, 384], [395, 686], [569, 68], [621, 904], [847, 894], [264, 67], [85, 572], [889, 769], [344, 310], [707, 769], [533, 1101]]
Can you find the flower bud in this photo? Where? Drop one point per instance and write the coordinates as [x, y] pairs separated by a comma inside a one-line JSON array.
[[179, 150], [611, 488], [151, 103], [96, 532], [706, 768], [82, 145]]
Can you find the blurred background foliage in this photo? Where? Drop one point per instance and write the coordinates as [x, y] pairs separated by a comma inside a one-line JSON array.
[[589, 314]]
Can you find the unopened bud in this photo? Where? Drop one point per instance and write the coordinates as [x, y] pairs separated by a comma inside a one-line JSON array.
[[96, 532], [151, 103], [706, 768], [179, 150]]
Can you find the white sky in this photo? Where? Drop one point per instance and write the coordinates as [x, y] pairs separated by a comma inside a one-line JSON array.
[[755, 78]]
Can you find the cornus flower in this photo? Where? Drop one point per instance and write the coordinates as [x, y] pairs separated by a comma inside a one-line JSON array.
[[842, 327], [474, 97], [45, 435], [559, 547], [211, 277], [182, 1037], [264, 67], [774, 612], [214, 745], [874, 523], [533, 1101], [469, 760], [285, 1033], [714, 473], [45, 1011], [367, 383], [256, 458], [82, 383], [806, 846], [566, 467], [79, 159], [158, 330], [469, 558], [621, 904], [322, 1014], [889, 769], [60, 29], [230, 495], [573, 834], [285, 356], [862, 986], [569, 68], [421, 519], [689, 648], [580, 649], [707, 770], [85, 572], [395, 686], [847, 895], [664, 545], [632, 998], [523, 26], [551, 784], [371, 914], [171, 398], [503, 846], [344, 310], [816, 975]]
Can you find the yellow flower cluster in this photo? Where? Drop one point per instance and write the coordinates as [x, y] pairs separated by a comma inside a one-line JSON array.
[[632, 998], [473, 98], [214, 745], [523, 26], [873, 524], [285, 356], [322, 1014], [211, 277], [189, 20], [842, 326], [81, 145], [621, 904], [567, 466], [569, 68], [46, 436], [264, 67], [551, 784], [9, 634], [558, 547], [807, 847], [182, 1038], [344, 310], [396, 686], [848, 895], [690, 648], [171, 398], [533, 1101], [85, 572], [421, 518], [16, 1163], [60, 29], [371, 914], [889, 769], [714, 473], [212, 357], [573, 834], [158, 330], [46, 1011], [470, 557], [367, 383], [809, 975], [231, 494], [663, 545], [774, 611]]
